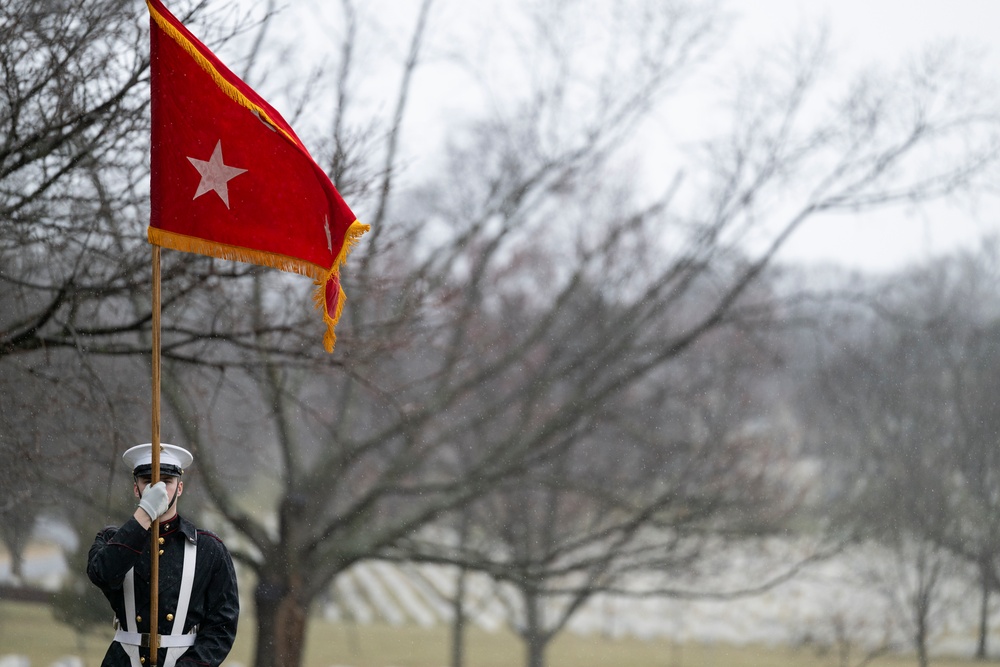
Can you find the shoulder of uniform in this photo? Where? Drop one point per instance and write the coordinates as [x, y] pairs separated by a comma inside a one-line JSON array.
[[208, 533], [108, 530]]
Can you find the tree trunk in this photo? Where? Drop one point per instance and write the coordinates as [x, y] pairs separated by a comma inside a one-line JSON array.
[[920, 638], [282, 611], [16, 532], [458, 621], [16, 566], [984, 611], [535, 638], [535, 645]]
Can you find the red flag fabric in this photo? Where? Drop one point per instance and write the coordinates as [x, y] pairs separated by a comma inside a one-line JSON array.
[[229, 177]]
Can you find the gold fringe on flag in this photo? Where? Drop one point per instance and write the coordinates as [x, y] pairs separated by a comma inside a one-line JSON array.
[[353, 235], [319, 274], [193, 244]]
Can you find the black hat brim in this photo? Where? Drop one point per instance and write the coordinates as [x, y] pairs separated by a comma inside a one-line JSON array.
[[146, 470]]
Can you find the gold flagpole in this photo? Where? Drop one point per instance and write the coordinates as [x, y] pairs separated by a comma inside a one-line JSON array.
[[154, 546]]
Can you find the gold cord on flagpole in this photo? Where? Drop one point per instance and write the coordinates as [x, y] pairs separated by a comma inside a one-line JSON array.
[[154, 546]]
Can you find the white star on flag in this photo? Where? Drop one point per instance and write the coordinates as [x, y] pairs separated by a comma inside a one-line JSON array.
[[215, 175]]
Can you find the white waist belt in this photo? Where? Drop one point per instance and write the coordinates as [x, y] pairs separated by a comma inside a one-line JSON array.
[[142, 639]]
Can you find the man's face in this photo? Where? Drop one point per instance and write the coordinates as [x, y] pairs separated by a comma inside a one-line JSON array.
[[175, 487]]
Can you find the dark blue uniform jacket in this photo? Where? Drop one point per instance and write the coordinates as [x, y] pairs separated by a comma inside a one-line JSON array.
[[214, 605]]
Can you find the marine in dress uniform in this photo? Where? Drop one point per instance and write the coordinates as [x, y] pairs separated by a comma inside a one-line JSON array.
[[198, 602]]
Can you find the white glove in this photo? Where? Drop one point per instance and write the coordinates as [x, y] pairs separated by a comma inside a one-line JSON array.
[[154, 500]]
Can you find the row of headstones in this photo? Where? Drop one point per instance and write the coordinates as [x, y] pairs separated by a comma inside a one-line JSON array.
[[24, 661]]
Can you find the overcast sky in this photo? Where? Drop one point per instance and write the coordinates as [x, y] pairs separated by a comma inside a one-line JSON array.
[[883, 31], [879, 32], [861, 32]]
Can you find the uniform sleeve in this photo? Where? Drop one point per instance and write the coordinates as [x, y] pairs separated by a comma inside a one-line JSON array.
[[114, 552], [222, 610]]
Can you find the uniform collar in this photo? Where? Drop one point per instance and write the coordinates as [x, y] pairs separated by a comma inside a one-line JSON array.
[[180, 523]]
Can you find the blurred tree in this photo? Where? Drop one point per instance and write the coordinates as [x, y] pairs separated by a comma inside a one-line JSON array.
[[968, 334], [71, 160], [913, 393], [498, 308], [666, 468], [62, 428], [67, 150], [78, 603]]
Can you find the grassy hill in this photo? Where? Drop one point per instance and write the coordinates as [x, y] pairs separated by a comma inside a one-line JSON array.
[[29, 629]]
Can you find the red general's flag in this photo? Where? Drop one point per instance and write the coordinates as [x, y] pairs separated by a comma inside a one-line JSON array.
[[230, 179]]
